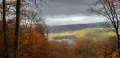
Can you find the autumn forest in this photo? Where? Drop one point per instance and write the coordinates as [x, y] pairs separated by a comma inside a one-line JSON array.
[[25, 34]]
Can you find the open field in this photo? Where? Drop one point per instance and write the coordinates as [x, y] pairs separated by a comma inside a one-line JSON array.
[[94, 33]]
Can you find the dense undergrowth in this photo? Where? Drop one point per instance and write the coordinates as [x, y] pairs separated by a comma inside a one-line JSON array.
[[34, 46]]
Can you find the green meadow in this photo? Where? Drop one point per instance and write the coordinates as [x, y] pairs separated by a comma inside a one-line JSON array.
[[94, 33]]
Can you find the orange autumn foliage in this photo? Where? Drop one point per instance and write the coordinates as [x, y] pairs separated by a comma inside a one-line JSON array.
[[33, 45]]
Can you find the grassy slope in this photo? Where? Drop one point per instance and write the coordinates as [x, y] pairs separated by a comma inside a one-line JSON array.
[[94, 33]]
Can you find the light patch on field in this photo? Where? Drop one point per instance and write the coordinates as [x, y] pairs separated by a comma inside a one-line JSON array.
[[94, 33]]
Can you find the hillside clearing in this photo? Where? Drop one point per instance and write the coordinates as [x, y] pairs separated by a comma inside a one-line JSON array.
[[94, 33]]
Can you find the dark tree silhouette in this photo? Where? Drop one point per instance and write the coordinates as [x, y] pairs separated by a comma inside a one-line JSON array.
[[16, 39], [4, 31]]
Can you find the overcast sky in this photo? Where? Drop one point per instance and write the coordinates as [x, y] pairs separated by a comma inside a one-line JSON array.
[[69, 7], [63, 12]]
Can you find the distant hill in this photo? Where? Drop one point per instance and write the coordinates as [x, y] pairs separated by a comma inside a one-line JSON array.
[[74, 27]]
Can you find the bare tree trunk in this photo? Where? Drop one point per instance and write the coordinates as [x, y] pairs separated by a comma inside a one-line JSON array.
[[16, 39], [4, 31], [118, 38], [118, 41]]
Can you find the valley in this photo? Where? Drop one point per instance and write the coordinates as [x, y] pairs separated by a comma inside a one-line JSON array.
[[88, 33]]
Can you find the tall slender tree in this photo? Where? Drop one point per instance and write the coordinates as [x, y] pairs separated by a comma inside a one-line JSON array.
[[110, 10], [4, 31], [16, 39]]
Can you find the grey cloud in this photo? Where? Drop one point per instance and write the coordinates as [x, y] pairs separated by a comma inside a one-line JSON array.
[[82, 2], [67, 22], [69, 7]]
